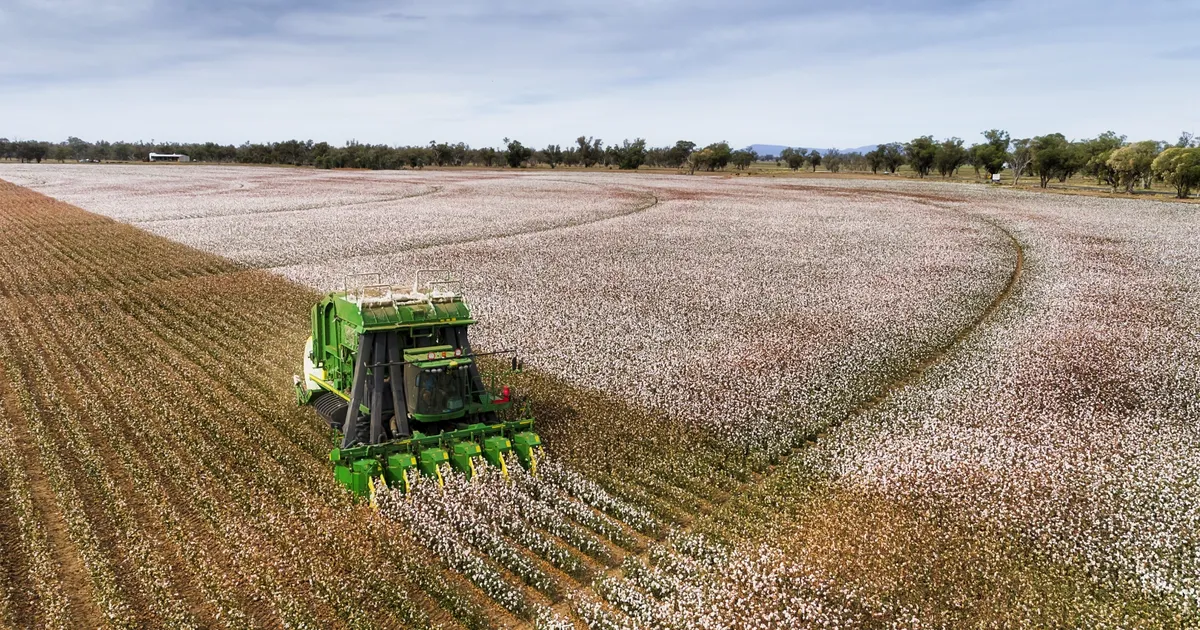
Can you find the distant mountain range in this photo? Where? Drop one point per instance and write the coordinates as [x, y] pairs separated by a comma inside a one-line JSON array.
[[776, 149]]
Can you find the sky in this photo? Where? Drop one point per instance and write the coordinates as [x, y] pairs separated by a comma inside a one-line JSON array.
[[801, 72]]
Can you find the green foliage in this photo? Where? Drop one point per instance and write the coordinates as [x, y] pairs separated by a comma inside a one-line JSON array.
[[1180, 168], [794, 158], [987, 157], [630, 155], [552, 155], [60, 152], [517, 153], [677, 155], [893, 156], [950, 156], [874, 159], [590, 150], [992, 154], [1095, 153], [1133, 163], [719, 155], [921, 153], [713, 157], [814, 159], [743, 158], [834, 160], [30, 151], [998, 139], [1053, 157]]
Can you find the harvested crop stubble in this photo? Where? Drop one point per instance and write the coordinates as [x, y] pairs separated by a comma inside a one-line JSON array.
[[156, 451]]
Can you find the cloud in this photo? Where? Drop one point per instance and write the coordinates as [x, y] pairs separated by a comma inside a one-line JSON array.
[[772, 71]]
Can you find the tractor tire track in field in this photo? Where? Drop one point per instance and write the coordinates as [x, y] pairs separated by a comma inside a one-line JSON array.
[[939, 353], [757, 482], [319, 206], [647, 203]]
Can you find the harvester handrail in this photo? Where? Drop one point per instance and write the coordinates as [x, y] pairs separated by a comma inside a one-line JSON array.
[[448, 275], [346, 286]]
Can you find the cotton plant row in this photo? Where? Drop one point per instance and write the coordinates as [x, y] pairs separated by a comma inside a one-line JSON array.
[[43, 573], [1073, 418], [490, 526], [692, 582], [191, 487]]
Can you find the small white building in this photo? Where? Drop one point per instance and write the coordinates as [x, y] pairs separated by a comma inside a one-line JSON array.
[[169, 157]]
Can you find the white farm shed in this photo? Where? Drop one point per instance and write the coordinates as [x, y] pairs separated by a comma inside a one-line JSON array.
[[169, 157]]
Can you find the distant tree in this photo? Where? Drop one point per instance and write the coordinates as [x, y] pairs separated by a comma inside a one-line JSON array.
[[552, 155], [5, 148], [697, 160], [921, 154], [814, 159], [1179, 167], [1134, 163], [517, 153], [442, 154], [31, 151], [677, 155], [794, 158], [875, 159], [1020, 157], [893, 156], [1187, 140], [768, 158], [591, 150], [60, 152], [79, 148], [950, 156], [1094, 155], [998, 139], [1053, 157], [630, 155], [834, 160], [487, 156], [719, 155], [988, 158], [743, 158]]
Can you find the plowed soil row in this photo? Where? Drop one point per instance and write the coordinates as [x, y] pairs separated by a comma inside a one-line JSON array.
[[155, 472]]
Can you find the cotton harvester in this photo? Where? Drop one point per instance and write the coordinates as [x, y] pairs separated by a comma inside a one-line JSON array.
[[392, 369]]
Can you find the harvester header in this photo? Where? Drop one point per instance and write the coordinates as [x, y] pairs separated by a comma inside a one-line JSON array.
[[392, 369]]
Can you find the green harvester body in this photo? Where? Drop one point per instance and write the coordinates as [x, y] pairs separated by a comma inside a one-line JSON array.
[[393, 370]]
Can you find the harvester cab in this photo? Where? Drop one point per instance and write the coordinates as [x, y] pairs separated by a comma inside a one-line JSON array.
[[392, 369]]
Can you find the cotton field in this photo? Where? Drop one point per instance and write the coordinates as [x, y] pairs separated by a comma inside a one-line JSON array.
[[768, 403]]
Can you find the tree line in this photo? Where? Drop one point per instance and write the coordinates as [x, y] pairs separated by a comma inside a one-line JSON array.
[[1109, 158]]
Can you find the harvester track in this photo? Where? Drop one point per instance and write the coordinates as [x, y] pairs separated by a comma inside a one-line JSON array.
[[318, 206], [649, 202], [758, 481]]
